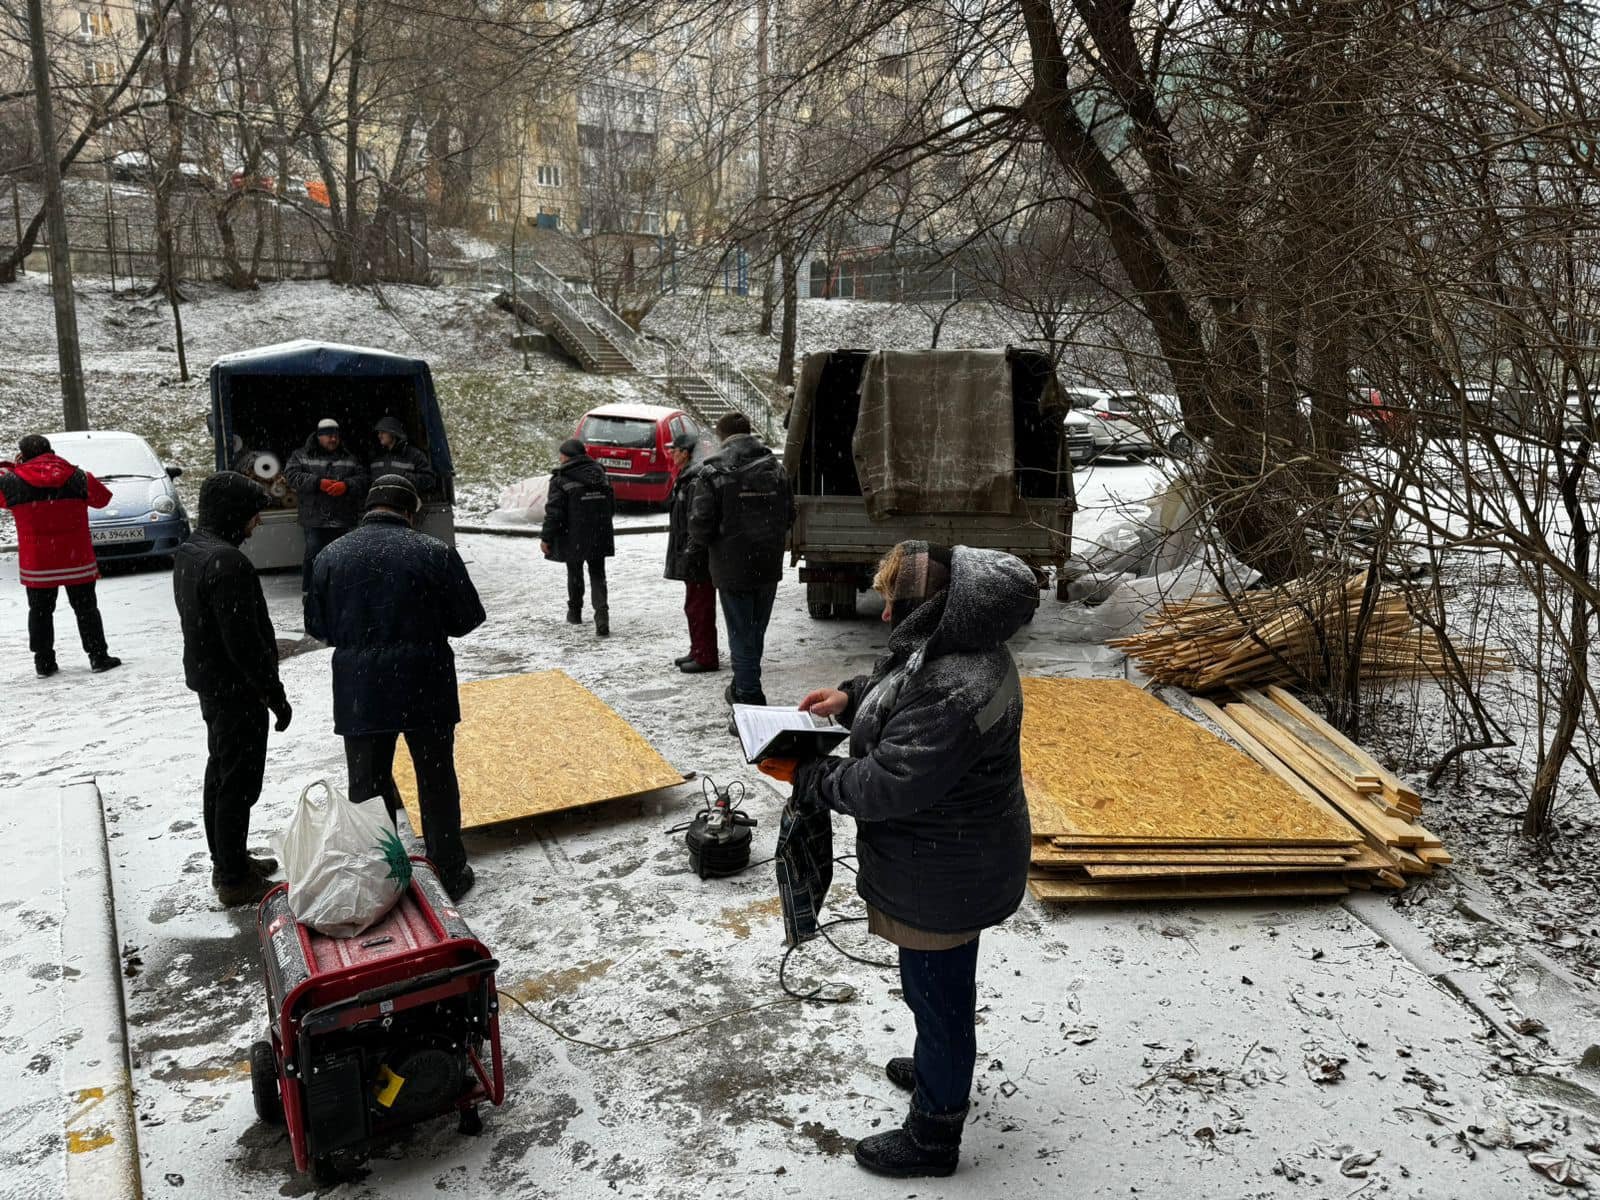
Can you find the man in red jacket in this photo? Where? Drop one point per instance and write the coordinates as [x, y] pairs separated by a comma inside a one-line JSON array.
[[51, 499]]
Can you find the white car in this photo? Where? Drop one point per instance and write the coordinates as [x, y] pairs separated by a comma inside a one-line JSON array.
[[1132, 425]]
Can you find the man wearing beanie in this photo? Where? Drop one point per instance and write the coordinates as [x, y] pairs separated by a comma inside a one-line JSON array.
[[330, 484], [230, 658], [51, 499], [578, 532], [389, 599]]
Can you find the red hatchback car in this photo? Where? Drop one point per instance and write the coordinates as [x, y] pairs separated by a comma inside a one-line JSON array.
[[630, 441]]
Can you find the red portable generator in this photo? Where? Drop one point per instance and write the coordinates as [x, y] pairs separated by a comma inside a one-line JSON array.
[[369, 1034]]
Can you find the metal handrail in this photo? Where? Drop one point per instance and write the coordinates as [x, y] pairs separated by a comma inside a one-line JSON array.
[[594, 312], [718, 372]]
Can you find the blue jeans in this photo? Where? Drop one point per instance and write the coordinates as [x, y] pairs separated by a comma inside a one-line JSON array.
[[941, 990], [746, 615]]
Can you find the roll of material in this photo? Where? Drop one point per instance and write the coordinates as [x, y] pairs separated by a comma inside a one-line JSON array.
[[265, 465]]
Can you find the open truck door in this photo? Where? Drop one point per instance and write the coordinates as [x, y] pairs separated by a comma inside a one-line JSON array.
[[265, 403]]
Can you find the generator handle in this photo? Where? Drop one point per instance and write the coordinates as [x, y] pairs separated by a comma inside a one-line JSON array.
[[318, 1017]]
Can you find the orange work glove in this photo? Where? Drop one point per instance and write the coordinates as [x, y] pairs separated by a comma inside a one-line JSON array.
[[781, 769], [334, 487]]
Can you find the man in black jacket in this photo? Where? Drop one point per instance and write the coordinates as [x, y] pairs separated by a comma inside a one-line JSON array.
[[397, 456], [577, 530], [739, 518], [330, 484], [389, 599], [230, 657], [699, 593]]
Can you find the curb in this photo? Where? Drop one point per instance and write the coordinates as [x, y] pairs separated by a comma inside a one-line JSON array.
[[102, 1145]]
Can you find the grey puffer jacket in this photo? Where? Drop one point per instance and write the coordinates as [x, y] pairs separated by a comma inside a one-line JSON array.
[[942, 829]]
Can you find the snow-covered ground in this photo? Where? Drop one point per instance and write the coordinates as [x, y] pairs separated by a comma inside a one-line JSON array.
[[1155, 1051], [1164, 1051]]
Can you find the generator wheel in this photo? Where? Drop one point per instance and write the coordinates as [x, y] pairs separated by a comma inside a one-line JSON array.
[[264, 1084]]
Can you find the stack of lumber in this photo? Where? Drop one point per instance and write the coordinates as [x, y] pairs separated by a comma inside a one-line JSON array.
[[1285, 634], [1131, 800]]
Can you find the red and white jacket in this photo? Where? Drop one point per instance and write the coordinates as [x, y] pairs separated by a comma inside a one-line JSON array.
[[51, 499]]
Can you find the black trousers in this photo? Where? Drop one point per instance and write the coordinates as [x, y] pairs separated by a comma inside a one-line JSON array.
[[370, 758], [597, 585], [42, 619], [236, 745], [941, 990], [316, 540]]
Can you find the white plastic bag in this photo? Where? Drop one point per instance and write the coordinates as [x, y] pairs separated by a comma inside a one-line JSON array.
[[345, 864], [522, 502]]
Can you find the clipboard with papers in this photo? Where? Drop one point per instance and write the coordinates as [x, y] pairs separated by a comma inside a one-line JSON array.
[[773, 731]]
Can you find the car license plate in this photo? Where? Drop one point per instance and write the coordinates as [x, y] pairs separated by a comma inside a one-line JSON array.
[[127, 533]]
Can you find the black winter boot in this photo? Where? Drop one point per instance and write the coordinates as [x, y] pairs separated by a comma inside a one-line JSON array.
[[902, 1072], [44, 665], [925, 1145], [104, 662], [574, 615], [602, 623]]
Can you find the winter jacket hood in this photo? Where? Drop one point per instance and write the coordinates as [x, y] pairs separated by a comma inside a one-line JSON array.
[[989, 598], [45, 470], [228, 500], [582, 469], [391, 425]]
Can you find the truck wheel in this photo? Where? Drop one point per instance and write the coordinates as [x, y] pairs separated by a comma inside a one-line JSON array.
[[845, 612], [264, 1084], [819, 601]]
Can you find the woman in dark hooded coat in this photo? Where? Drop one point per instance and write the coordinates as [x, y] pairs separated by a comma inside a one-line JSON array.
[[934, 781]]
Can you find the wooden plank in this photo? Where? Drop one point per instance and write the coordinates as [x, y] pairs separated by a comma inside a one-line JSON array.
[[1065, 890], [1435, 856], [1222, 855], [1291, 703], [1334, 757], [1386, 830], [577, 752], [1101, 757], [1269, 760], [1098, 871]]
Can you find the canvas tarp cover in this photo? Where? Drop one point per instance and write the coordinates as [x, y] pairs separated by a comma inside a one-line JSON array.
[[935, 433]]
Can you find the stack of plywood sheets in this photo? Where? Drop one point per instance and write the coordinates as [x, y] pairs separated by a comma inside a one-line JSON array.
[[539, 743], [1130, 800]]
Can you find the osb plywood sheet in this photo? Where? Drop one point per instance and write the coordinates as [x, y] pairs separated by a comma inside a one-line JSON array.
[[1102, 759], [1066, 890], [1222, 857], [540, 743]]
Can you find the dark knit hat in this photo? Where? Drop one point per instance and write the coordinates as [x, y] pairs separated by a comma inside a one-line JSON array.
[[227, 502], [732, 425], [684, 441], [572, 447], [32, 446], [394, 491], [390, 425]]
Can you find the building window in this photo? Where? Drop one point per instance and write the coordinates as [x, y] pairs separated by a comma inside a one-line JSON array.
[[548, 218], [549, 175], [94, 23]]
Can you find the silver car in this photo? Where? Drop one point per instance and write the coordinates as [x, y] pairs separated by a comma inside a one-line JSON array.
[[145, 518], [1131, 424]]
